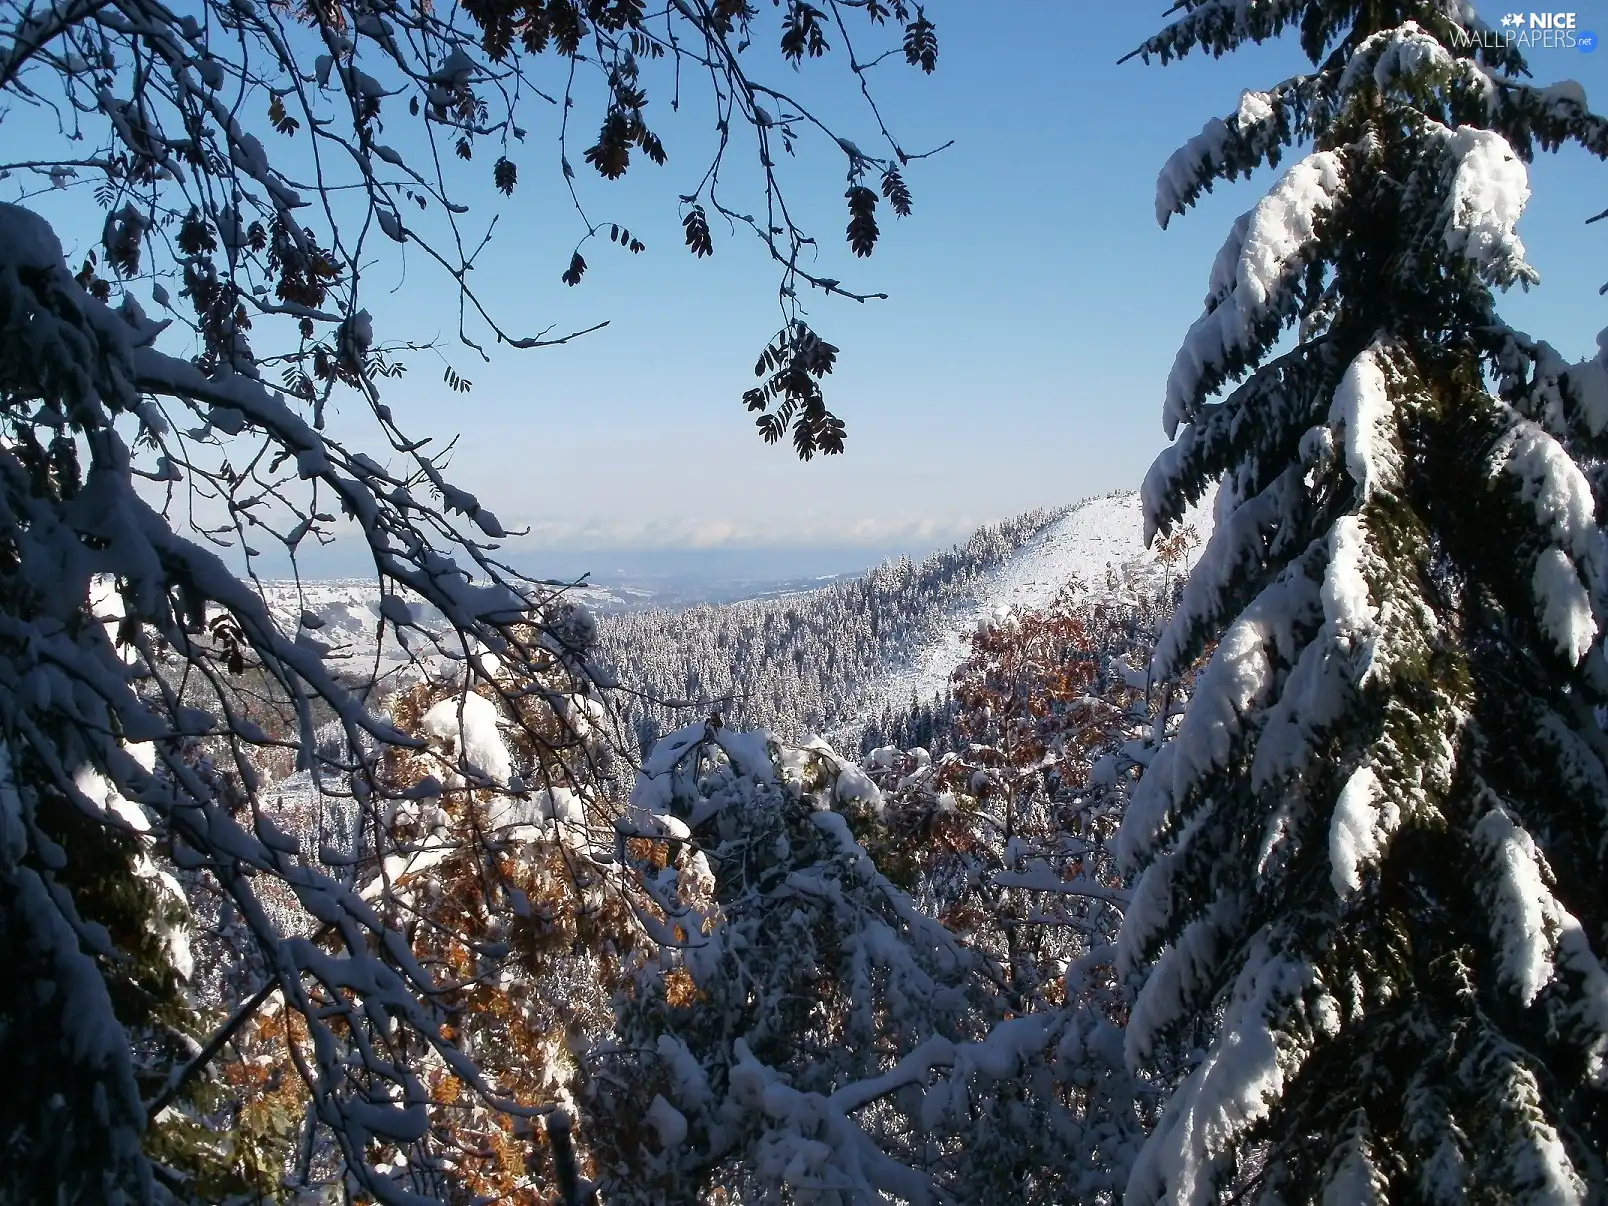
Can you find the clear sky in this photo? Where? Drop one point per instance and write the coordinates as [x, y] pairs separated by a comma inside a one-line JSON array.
[[1034, 313]]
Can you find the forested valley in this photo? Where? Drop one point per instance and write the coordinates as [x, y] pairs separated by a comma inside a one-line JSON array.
[[797, 665]]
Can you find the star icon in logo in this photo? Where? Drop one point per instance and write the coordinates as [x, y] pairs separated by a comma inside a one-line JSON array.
[[1512, 19]]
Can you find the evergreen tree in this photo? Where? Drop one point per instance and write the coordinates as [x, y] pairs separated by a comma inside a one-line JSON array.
[[1372, 904]]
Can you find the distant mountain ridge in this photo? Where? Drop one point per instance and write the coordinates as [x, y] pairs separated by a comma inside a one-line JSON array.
[[800, 657], [796, 664], [824, 662]]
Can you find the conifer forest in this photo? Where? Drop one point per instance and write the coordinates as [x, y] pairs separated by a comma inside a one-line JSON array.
[[1236, 836]]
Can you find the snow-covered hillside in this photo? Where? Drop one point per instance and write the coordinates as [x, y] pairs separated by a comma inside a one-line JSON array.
[[1096, 533]]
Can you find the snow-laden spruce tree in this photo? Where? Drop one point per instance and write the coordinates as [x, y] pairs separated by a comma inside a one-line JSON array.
[[238, 168], [1371, 910]]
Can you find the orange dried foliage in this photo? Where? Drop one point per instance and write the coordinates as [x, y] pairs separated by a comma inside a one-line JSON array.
[[566, 955], [649, 852], [1040, 697], [680, 989]]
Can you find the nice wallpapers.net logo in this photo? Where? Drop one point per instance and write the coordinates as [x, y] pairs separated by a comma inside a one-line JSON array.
[[1530, 31]]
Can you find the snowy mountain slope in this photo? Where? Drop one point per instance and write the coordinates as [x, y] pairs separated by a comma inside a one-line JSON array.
[[1101, 532], [796, 662]]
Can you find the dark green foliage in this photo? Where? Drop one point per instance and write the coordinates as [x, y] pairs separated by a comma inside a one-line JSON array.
[[79, 1079], [922, 724]]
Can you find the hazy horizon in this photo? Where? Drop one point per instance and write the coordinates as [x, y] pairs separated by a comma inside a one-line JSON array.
[[770, 563]]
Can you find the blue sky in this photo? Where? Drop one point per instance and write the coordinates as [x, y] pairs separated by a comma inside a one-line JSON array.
[[1034, 312], [1035, 305]]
